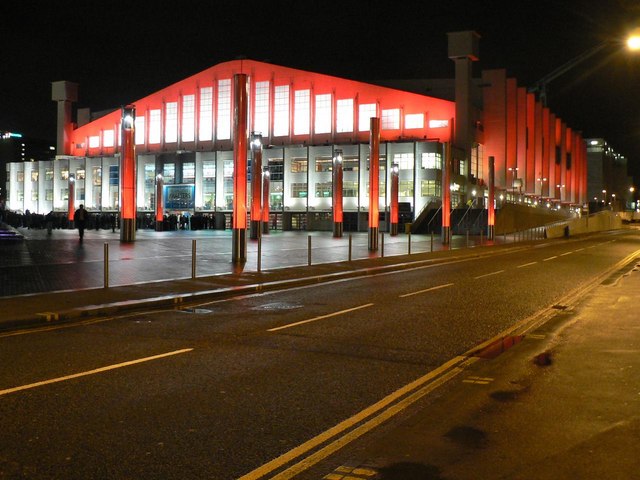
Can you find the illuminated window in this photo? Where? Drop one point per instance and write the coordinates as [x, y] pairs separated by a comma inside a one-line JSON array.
[[94, 141], [432, 160], [281, 111], [344, 117], [349, 189], [430, 188], [97, 175], [324, 164], [48, 174], [404, 160], [171, 122], [323, 189], [224, 110], [154, 126], [390, 119], [414, 120], [350, 164], [205, 127], [188, 172], [139, 126], [227, 169], [108, 139], [301, 111], [169, 172], [34, 175], [323, 113], [299, 190], [80, 174], [405, 188], [261, 114], [209, 171], [365, 112], [438, 123], [188, 118], [298, 165]]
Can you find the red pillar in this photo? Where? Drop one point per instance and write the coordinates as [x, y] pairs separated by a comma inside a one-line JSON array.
[[159, 203], [491, 212], [239, 233], [394, 200], [446, 194], [256, 184], [337, 194], [374, 182], [266, 177], [128, 176]]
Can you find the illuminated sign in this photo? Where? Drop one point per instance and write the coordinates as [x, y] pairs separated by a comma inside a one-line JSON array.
[[179, 197]]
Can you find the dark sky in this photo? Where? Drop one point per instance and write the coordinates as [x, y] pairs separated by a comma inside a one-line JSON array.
[[121, 51]]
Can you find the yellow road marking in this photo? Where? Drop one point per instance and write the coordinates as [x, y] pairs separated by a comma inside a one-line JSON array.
[[91, 372], [320, 317]]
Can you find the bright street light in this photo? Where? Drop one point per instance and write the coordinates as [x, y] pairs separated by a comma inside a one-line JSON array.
[[633, 40]]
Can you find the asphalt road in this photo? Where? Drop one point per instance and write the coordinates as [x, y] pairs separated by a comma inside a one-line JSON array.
[[220, 389]]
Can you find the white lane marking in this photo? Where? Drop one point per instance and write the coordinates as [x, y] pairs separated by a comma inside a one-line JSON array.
[[488, 274], [566, 253], [526, 264], [550, 258], [426, 290], [92, 372], [580, 249], [320, 317]]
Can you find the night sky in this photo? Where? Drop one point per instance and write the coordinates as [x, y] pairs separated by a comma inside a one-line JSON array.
[[119, 52]]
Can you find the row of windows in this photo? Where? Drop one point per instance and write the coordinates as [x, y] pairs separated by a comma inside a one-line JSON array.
[[428, 188], [151, 125]]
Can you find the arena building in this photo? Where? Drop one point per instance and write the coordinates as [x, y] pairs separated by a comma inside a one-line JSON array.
[[184, 137]]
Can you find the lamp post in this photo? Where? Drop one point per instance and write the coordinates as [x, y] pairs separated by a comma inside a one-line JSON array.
[[159, 203], [337, 194], [394, 199], [128, 176], [256, 184], [514, 173], [266, 177], [71, 198]]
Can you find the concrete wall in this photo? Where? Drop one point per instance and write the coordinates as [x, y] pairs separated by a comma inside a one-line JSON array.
[[593, 223]]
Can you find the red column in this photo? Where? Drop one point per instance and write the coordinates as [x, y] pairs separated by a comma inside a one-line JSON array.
[[544, 187], [256, 184], [71, 199], [446, 194], [374, 182], [266, 177], [491, 212], [128, 176], [529, 175], [159, 203], [394, 200], [337, 194], [239, 233]]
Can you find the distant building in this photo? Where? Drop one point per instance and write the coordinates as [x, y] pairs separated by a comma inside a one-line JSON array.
[[14, 148], [609, 182]]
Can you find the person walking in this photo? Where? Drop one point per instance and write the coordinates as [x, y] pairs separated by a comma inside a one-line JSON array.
[[79, 218]]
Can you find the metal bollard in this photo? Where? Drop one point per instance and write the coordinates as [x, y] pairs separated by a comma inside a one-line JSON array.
[[350, 245], [382, 245], [193, 259], [431, 241], [309, 251], [467, 238], [106, 265], [259, 250], [409, 243]]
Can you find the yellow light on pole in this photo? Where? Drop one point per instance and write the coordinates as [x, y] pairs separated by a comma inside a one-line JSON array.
[[633, 40]]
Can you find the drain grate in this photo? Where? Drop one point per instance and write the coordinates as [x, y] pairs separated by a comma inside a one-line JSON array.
[[195, 310], [560, 307]]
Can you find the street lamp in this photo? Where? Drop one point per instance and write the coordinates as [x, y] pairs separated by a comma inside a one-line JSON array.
[[514, 172], [633, 40]]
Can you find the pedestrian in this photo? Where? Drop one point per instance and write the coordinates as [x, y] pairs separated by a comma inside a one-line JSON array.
[[49, 222], [79, 218]]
